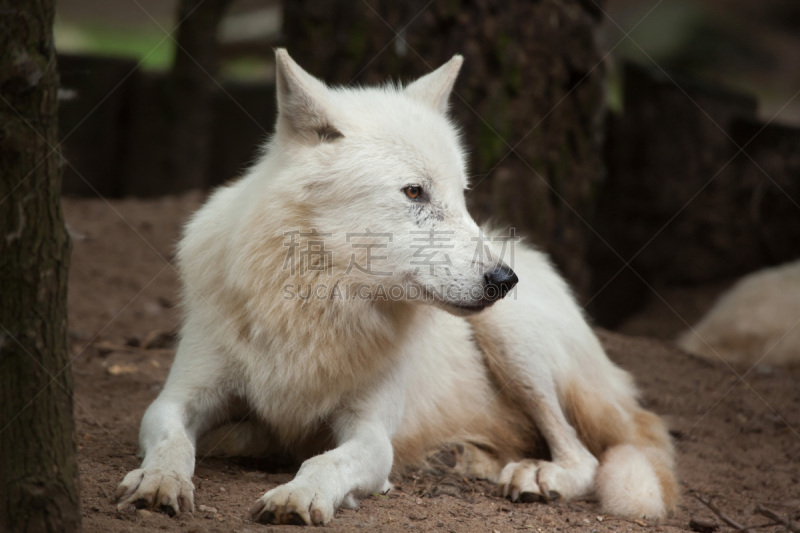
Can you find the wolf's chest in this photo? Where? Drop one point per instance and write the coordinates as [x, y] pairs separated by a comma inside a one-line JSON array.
[[294, 390]]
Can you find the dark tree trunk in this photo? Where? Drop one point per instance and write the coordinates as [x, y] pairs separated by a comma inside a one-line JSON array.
[[532, 81], [681, 205], [38, 469], [191, 85], [188, 103]]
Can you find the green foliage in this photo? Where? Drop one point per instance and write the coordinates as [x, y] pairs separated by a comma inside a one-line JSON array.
[[154, 48]]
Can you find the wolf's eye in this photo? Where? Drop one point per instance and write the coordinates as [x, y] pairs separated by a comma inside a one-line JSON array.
[[413, 191]]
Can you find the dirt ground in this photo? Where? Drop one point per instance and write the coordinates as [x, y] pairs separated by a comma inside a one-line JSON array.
[[737, 430]]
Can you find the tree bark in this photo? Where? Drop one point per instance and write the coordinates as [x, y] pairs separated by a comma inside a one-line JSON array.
[[38, 468], [532, 81]]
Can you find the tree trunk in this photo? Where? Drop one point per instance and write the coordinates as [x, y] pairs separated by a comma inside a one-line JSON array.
[[190, 93], [532, 81], [38, 469]]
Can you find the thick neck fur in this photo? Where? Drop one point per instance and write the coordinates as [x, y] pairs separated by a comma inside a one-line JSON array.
[[299, 342], [315, 312]]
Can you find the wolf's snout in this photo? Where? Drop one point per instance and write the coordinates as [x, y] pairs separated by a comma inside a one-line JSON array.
[[499, 281]]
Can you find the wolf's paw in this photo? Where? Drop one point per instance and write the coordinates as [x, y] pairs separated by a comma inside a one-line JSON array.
[[164, 490], [293, 504], [544, 481]]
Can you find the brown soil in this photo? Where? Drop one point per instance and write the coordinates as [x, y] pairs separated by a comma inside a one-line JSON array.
[[737, 431]]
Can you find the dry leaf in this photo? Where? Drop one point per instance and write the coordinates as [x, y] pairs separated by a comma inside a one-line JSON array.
[[116, 370]]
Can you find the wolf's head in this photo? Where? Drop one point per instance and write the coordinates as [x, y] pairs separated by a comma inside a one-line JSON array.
[[376, 178]]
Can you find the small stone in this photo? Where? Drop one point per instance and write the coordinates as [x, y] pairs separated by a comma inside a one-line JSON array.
[[207, 509], [143, 513]]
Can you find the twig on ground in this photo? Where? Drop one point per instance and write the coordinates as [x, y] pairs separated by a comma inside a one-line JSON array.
[[792, 526], [722, 516], [703, 526]]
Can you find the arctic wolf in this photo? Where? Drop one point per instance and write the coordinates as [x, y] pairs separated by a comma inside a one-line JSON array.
[[757, 321], [341, 304]]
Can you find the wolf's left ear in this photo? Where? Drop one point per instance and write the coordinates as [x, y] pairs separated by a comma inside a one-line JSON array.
[[434, 88], [302, 100]]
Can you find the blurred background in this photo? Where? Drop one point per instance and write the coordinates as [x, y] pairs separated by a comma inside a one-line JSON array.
[[651, 146]]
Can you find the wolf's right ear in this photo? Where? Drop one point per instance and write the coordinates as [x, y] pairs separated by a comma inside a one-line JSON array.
[[435, 87], [302, 101]]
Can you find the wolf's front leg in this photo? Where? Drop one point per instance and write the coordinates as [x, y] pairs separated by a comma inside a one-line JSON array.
[[358, 466], [572, 470], [164, 479], [191, 398]]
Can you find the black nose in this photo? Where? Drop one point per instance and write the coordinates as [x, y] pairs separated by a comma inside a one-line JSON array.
[[499, 281]]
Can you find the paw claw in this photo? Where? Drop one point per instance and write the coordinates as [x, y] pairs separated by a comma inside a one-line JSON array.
[[164, 490], [294, 519], [546, 481], [316, 517], [255, 510], [267, 518], [185, 504], [294, 504], [531, 497]]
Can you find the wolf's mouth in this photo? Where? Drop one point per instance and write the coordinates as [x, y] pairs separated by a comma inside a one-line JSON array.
[[455, 306], [480, 306], [464, 309]]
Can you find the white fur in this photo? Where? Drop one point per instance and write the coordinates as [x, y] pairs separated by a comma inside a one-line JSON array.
[[376, 373], [624, 467], [757, 321]]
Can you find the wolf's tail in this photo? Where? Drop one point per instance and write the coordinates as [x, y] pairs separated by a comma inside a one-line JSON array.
[[636, 477]]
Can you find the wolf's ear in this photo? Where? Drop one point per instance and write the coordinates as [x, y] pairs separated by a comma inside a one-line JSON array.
[[434, 88], [302, 101]]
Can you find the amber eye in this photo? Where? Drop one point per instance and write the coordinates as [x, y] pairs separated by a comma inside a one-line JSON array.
[[413, 191]]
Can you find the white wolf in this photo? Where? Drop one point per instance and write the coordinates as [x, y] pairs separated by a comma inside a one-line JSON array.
[[757, 321], [342, 304]]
